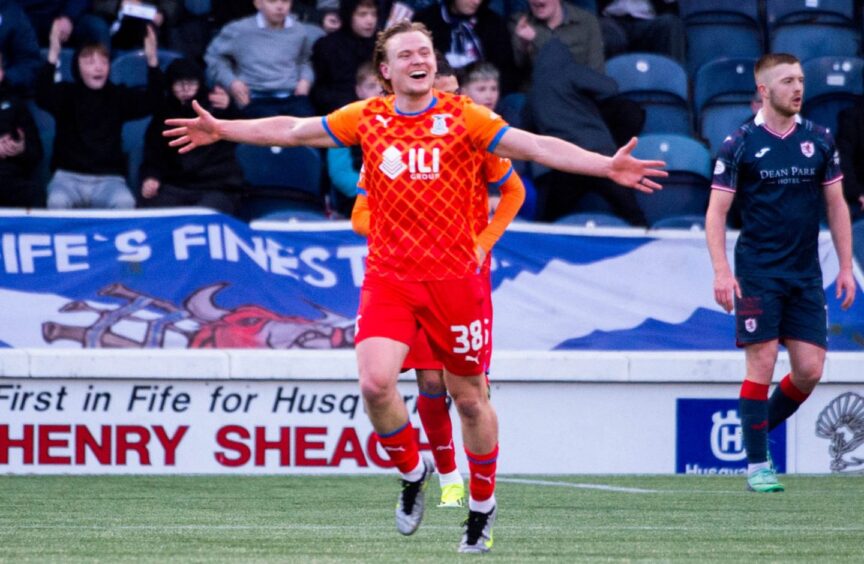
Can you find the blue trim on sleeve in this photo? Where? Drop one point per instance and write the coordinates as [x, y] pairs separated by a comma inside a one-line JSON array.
[[497, 139], [498, 183], [330, 133], [362, 192]]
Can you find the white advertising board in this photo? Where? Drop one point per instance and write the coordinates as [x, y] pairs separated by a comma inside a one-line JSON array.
[[559, 414]]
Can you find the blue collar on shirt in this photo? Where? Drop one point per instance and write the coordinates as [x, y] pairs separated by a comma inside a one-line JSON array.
[[427, 108]]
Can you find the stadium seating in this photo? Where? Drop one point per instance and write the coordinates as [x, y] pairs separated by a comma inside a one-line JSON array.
[[691, 222], [198, 7], [657, 83], [46, 126], [592, 219], [64, 70], [511, 108], [133, 146], [685, 191], [810, 28], [719, 30], [722, 91], [280, 179], [130, 68], [831, 84]]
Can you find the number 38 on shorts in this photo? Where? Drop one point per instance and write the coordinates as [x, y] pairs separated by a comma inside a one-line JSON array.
[[471, 338]]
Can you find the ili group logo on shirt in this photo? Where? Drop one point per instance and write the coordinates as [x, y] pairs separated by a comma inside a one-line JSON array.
[[422, 164]]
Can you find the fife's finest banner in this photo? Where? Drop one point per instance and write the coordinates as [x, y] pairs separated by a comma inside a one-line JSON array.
[[189, 280]]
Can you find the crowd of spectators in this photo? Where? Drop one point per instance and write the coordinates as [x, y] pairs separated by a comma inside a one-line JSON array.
[[256, 58]]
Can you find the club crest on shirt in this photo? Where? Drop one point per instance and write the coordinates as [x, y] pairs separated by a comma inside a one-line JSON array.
[[439, 124], [807, 148], [750, 324]]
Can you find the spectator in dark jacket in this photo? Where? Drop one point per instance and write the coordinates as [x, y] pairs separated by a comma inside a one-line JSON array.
[[75, 24], [126, 37], [563, 103], [337, 56], [20, 151], [468, 31], [211, 177], [18, 47], [88, 161]]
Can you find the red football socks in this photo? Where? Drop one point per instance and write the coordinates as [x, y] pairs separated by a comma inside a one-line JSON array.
[[439, 430], [401, 447]]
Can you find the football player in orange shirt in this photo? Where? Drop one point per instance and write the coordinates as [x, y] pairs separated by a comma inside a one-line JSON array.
[[432, 402], [422, 152]]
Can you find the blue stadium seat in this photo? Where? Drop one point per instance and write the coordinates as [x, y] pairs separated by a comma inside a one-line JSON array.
[[198, 7], [722, 91], [686, 190], [719, 30], [47, 129], [810, 28], [64, 69], [511, 107], [130, 68], [691, 222], [133, 146], [659, 85], [280, 178], [831, 84], [592, 219], [858, 242]]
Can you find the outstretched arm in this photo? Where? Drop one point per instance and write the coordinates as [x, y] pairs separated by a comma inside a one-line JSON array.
[[841, 233], [283, 131], [622, 167]]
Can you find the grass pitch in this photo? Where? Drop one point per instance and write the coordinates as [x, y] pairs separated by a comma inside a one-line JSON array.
[[350, 519]]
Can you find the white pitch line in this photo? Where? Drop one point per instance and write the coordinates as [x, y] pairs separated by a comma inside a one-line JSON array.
[[603, 487]]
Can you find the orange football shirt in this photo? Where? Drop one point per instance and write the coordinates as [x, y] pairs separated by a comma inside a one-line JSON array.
[[420, 172]]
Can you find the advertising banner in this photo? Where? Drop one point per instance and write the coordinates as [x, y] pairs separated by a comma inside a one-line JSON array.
[[99, 426], [176, 280]]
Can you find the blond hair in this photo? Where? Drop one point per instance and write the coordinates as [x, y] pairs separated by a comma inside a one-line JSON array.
[[380, 55]]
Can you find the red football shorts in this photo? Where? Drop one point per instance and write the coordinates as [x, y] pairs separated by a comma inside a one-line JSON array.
[[451, 313], [421, 356]]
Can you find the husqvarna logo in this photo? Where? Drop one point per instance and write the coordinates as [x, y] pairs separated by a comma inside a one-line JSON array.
[[422, 164], [709, 438], [727, 443]]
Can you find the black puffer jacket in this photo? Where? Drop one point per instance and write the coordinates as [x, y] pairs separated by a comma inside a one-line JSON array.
[[213, 167], [90, 122]]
